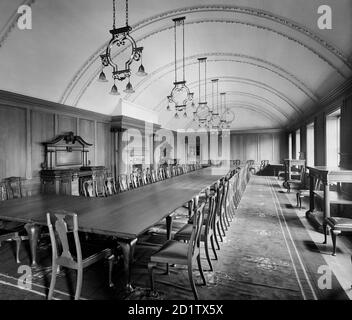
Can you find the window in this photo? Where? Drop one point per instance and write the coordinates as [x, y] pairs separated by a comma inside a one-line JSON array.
[[290, 146], [333, 139], [298, 143], [310, 144]]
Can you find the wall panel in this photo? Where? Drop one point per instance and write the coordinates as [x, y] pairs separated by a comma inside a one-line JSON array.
[[251, 147], [265, 147], [67, 124], [42, 129], [12, 142], [86, 131]]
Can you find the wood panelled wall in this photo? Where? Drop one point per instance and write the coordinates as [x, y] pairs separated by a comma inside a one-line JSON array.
[[25, 123], [259, 146]]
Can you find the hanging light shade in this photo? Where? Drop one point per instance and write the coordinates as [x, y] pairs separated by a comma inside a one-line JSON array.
[[141, 72], [102, 77], [114, 91], [121, 37], [180, 95], [129, 88]]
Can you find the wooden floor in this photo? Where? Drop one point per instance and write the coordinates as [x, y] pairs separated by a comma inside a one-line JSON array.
[[270, 252]]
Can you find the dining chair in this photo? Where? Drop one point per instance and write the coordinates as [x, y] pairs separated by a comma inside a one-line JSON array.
[[89, 188], [144, 178], [110, 186], [67, 250], [12, 231], [337, 225], [99, 184], [13, 187], [123, 182], [180, 253], [207, 233], [303, 191]]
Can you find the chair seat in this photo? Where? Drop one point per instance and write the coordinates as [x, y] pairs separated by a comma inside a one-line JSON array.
[[184, 233], [340, 223], [171, 252]]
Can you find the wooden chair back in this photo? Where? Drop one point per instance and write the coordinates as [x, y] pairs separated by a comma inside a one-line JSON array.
[[60, 224], [144, 177], [89, 188], [110, 186], [3, 193], [13, 187], [100, 186], [124, 183], [194, 242]]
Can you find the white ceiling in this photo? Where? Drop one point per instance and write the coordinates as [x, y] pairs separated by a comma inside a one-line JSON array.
[[271, 58]]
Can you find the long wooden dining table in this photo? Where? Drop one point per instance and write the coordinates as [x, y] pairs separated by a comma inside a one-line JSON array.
[[124, 216]]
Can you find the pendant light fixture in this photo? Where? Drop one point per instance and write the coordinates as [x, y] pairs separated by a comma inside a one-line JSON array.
[[180, 95], [202, 113], [121, 37], [227, 116]]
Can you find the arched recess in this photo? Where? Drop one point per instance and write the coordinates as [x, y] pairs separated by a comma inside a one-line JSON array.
[[254, 12]]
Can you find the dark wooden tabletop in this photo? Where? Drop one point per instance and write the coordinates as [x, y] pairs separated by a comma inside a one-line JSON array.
[[125, 215]]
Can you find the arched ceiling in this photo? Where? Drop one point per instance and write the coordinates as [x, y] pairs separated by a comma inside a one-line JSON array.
[[270, 57]]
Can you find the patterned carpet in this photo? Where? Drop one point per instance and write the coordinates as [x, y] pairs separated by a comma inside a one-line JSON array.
[[266, 254]]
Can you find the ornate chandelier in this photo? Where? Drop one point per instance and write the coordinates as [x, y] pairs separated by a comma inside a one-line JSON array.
[[119, 38], [226, 116], [202, 114], [180, 94]]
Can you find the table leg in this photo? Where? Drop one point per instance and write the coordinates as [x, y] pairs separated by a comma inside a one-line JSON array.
[[311, 195], [169, 220], [33, 231], [128, 253], [326, 201]]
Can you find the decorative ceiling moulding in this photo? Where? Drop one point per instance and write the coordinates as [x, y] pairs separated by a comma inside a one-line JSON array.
[[12, 22], [254, 83], [271, 67], [86, 66], [210, 8], [253, 12], [281, 72]]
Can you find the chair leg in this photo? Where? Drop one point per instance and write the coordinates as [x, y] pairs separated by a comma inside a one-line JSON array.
[[79, 283], [222, 225], [190, 276], [213, 247], [216, 238], [300, 203], [218, 227], [206, 246], [18, 247], [334, 234], [151, 267], [199, 262], [53, 280], [297, 198], [111, 265]]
